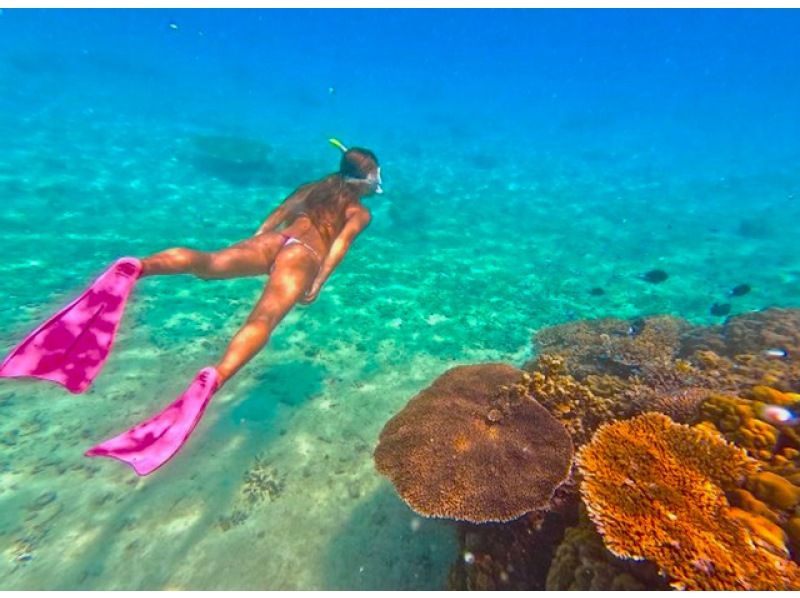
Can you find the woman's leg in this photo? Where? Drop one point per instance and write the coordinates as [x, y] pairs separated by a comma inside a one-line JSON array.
[[251, 257], [295, 269]]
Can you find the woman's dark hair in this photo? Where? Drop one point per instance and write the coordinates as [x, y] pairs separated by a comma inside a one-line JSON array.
[[358, 162]]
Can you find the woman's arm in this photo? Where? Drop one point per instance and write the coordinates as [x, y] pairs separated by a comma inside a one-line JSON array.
[[289, 205], [352, 228]]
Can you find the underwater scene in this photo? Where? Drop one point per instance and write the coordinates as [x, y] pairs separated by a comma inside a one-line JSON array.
[[534, 325]]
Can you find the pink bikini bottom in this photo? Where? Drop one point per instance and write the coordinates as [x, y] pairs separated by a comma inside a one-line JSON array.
[[292, 240]]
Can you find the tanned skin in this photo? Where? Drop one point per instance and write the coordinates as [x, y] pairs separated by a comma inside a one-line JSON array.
[[295, 273]]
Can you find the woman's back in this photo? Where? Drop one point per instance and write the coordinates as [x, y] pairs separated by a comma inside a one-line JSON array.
[[326, 206]]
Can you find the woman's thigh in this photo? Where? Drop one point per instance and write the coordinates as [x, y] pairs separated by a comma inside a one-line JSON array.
[[251, 257], [295, 269]]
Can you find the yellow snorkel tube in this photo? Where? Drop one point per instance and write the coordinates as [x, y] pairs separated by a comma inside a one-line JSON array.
[[336, 143]]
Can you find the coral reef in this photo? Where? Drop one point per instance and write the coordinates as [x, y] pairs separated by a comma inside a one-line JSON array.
[[750, 333], [740, 420], [569, 401], [514, 555], [735, 418], [663, 364], [679, 405], [656, 490], [611, 346], [629, 366], [261, 482], [774, 492], [712, 506], [742, 372], [582, 562], [469, 448]]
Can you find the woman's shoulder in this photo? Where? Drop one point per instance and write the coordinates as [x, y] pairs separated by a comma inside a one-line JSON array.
[[359, 211]]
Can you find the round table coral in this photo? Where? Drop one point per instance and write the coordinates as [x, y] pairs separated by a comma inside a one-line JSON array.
[[465, 448]]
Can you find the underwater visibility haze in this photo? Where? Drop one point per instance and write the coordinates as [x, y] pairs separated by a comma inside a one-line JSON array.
[[583, 268]]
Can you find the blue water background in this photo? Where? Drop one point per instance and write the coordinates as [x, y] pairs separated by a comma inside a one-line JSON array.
[[696, 109]]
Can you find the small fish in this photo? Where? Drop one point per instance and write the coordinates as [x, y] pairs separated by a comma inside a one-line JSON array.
[[720, 309], [597, 292], [636, 327], [782, 416], [739, 290], [173, 26], [776, 353], [654, 276]]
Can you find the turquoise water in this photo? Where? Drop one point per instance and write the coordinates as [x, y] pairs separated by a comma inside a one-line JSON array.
[[528, 157]]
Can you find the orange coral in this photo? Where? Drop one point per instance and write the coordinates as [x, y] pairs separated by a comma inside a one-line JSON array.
[[778, 485], [793, 529], [466, 448], [764, 532], [774, 490], [656, 490], [736, 419], [743, 499], [774, 396]]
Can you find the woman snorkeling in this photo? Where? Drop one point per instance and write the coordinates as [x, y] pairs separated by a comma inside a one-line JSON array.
[[318, 222]]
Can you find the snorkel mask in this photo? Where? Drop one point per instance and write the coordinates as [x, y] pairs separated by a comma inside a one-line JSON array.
[[373, 178]]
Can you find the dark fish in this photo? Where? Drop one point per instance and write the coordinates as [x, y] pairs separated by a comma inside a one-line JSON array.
[[720, 309], [596, 292], [739, 290], [654, 276], [636, 327]]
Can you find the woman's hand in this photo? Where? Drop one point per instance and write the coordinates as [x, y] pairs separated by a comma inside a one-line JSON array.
[[311, 293]]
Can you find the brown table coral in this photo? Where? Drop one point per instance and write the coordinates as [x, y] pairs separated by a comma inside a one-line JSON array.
[[656, 490], [467, 449]]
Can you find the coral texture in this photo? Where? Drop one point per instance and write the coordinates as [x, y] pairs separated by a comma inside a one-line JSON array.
[[514, 555], [774, 492], [656, 490], [750, 333], [582, 562], [679, 405], [736, 419], [569, 401], [466, 448], [611, 346]]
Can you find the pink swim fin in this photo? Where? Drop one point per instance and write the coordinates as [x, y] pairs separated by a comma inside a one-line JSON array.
[[71, 347], [149, 445]]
